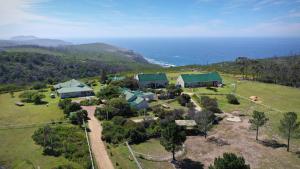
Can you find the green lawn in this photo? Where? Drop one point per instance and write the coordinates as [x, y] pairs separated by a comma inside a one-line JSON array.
[[17, 147], [122, 158]]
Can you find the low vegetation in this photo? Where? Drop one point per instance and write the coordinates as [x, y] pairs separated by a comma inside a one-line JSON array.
[[60, 140], [229, 161]]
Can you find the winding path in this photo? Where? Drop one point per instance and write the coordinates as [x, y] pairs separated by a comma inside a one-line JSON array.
[[98, 147]]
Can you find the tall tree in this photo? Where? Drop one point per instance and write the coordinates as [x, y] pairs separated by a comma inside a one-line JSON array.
[[229, 161], [103, 76], [258, 119], [243, 63], [172, 137], [288, 126], [204, 119]]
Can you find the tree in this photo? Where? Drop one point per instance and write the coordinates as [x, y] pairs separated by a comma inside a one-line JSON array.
[[37, 98], [173, 91], [172, 137], [229, 161], [258, 119], [103, 76], [72, 107], [243, 63], [204, 119], [78, 117], [109, 92], [288, 125]]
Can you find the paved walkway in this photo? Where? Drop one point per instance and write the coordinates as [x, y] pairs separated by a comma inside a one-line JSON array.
[[98, 147]]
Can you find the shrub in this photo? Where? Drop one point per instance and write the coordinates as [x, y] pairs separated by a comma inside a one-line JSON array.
[[78, 117], [64, 102], [229, 161], [63, 140], [32, 97], [105, 113], [118, 120], [232, 99], [71, 107], [89, 102], [109, 92], [184, 99], [38, 86], [210, 104]]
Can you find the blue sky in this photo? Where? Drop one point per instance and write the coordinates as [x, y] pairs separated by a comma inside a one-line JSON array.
[[150, 18]]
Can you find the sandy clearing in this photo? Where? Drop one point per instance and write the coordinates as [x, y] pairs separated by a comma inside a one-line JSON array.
[[97, 145], [242, 142]]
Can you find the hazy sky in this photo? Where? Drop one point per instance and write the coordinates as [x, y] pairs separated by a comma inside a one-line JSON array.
[[150, 18]]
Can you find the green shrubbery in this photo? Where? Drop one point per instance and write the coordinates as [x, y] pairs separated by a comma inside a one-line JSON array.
[[114, 107], [210, 104], [184, 99], [232, 99], [64, 140], [109, 92], [32, 97], [229, 161], [89, 102]]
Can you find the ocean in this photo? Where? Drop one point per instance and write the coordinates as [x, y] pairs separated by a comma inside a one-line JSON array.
[[185, 51]]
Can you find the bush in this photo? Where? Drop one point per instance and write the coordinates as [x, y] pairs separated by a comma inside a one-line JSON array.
[[89, 102], [64, 102], [232, 99], [38, 86], [78, 117], [229, 161], [184, 99], [113, 133], [105, 113], [71, 107], [64, 140], [109, 92], [32, 97], [210, 104], [118, 120]]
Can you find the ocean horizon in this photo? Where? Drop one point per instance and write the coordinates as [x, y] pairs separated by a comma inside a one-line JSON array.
[[186, 51]]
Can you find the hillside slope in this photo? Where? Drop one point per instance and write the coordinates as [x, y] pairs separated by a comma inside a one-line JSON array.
[[25, 64]]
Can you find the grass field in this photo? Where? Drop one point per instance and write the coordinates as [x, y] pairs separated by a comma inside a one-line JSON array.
[[120, 154], [18, 150]]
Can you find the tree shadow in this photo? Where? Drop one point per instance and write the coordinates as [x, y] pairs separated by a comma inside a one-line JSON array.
[[188, 164], [298, 153], [41, 103], [272, 143]]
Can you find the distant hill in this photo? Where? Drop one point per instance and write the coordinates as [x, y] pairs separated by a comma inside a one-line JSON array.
[[23, 64], [32, 40]]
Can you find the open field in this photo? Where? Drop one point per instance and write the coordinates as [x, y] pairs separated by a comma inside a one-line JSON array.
[[240, 139], [18, 149]]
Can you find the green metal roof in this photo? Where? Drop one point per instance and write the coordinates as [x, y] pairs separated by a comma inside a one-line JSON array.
[[137, 101], [153, 77], [196, 78], [72, 86], [129, 96]]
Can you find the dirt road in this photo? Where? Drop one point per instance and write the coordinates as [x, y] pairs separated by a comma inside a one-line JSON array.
[[97, 145]]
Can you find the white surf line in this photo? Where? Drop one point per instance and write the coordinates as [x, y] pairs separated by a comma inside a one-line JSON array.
[[88, 142]]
